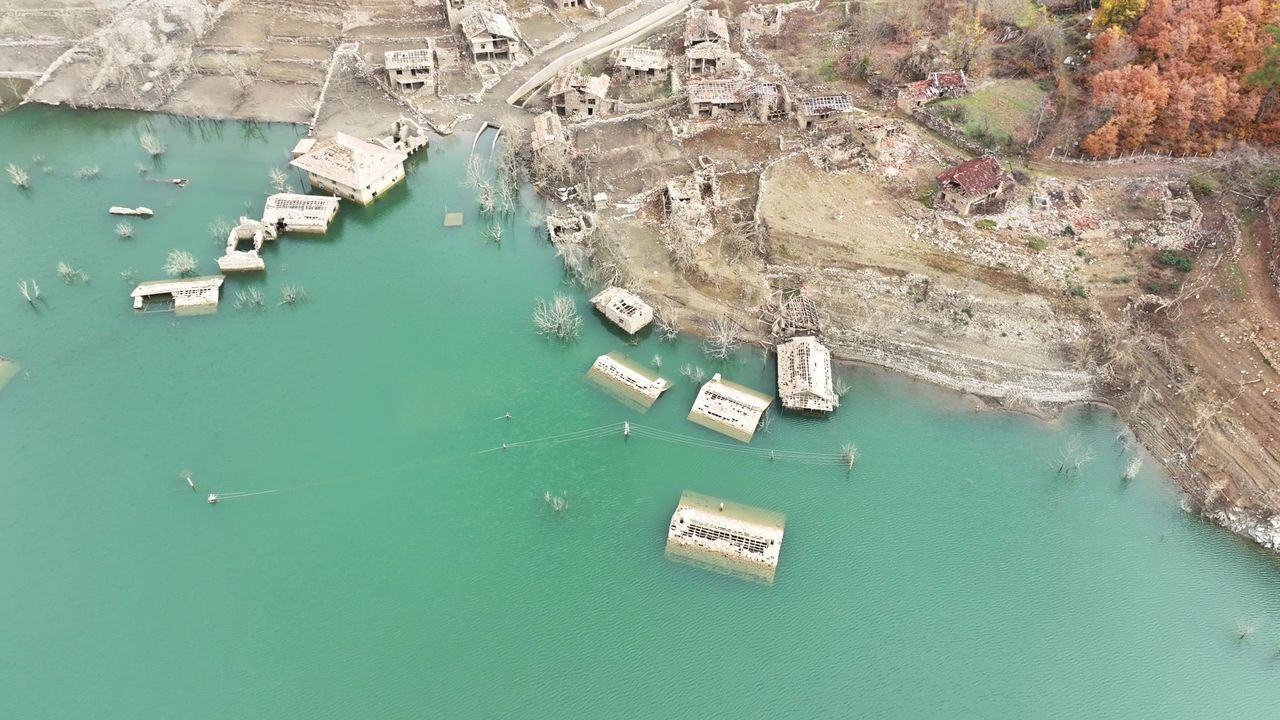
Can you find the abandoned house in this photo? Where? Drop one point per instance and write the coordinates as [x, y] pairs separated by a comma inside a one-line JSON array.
[[549, 135], [791, 313], [570, 4], [701, 26], [412, 69], [761, 20], [726, 537], [711, 98], [972, 184], [630, 380], [708, 58], [949, 84], [640, 63], [351, 168], [823, 110], [729, 409], [287, 212], [184, 296], [770, 101], [697, 189], [406, 136], [490, 35], [804, 376], [244, 245], [623, 309], [575, 96]]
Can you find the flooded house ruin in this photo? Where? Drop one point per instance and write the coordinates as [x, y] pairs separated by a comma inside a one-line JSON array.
[[640, 63], [823, 110], [804, 376], [713, 98], [406, 136], [182, 296], [624, 309], [490, 35], [411, 70], [351, 168], [726, 537], [973, 184], [575, 96], [628, 380], [947, 84], [729, 409], [8, 369], [288, 212], [244, 246]]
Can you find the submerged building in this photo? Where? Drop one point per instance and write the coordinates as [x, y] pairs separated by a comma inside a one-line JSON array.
[[804, 376], [729, 409], [288, 212], [351, 168], [726, 537], [627, 379], [623, 309], [184, 296]]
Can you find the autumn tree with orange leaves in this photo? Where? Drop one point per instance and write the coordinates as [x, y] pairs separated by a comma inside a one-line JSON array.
[[1202, 77]]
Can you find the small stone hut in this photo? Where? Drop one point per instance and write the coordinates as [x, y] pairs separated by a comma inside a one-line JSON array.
[[575, 96], [972, 184], [412, 69], [950, 84], [823, 110], [640, 62]]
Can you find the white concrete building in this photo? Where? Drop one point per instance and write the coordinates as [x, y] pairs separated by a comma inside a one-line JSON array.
[[287, 212], [412, 69], [351, 168], [184, 296], [623, 309]]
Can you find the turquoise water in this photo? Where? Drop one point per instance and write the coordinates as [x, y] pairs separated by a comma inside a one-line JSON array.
[[400, 572]]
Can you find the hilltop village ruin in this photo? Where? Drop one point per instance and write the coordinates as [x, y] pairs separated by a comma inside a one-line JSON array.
[[726, 165]]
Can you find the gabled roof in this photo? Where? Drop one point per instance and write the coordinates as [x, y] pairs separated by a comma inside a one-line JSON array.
[[976, 177], [415, 58], [349, 161], [826, 104], [483, 21], [721, 92], [641, 58], [948, 80]]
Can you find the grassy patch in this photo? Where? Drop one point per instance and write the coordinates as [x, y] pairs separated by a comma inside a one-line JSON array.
[[827, 72], [1201, 186], [985, 224], [1037, 243], [1080, 291], [1235, 283], [926, 198], [1122, 280], [999, 113]]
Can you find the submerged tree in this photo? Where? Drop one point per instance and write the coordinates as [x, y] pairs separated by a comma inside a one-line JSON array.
[[88, 172], [180, 263], [18, 176], [557, 318], [69, 274], [249, 298], [849, 454], [151, 143], [30, 291], [1245, 628], [292, 294], [1073, 456], [124, 230], [723, 337]]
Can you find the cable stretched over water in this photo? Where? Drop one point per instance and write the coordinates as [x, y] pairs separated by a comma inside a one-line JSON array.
[[651, 433]]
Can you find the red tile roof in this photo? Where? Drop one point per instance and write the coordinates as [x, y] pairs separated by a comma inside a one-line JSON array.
[[975, 177]]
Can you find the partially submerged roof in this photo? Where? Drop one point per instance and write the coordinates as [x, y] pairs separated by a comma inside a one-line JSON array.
[[349, 161], [718, 92], [826, 104], [729, 408], [979, 176], [725, 536], [804, 376], [627, 380], [641, 58], [178, 285], [407, 59], [624, 308], [300, 211], [484, 22]]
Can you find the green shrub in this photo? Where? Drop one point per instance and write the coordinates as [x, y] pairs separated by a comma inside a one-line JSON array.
[[1080, 291], [985, 224], [1037, 243], [1201, 186], [827, 71], [1122, 280], [1175, 260]]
